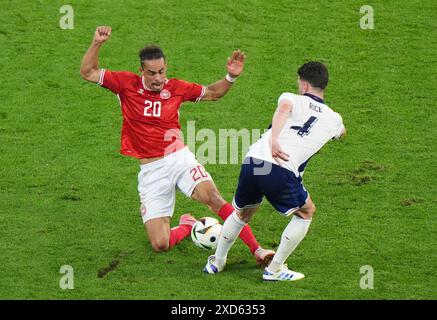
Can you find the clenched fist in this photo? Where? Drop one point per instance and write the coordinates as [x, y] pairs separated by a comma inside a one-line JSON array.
[[102, 34]]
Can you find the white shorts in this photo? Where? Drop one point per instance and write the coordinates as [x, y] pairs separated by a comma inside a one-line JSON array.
[[157, 182]]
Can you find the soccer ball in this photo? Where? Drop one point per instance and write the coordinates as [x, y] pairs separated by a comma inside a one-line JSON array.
[[205, 233]]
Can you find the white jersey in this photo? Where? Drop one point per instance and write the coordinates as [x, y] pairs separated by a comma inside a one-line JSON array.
[[310, 124]]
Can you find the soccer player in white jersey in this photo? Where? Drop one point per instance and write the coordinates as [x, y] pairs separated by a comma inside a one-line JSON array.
[[274, 166]]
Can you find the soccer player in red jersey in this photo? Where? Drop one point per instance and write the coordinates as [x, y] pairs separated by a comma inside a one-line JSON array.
[[151, 132]]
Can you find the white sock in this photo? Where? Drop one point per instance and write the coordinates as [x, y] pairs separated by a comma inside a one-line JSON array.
[[291, 237], [230, 231]]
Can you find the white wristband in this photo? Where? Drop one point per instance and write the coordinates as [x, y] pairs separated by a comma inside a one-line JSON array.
[[230, 78]]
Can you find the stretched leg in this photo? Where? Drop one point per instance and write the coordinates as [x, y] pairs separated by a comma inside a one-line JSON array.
[[207, 193], [293, 234], [196, 183], [230, 231]]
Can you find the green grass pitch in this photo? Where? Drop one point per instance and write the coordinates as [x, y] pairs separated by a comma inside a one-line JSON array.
[[67, 197]]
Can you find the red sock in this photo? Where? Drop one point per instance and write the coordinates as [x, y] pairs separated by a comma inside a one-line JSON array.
[[178, 234], [246, 234]]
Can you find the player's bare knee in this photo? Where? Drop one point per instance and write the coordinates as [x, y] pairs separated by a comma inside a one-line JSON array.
[[161, 245], [244, 216], [307, 213], [312, 210]]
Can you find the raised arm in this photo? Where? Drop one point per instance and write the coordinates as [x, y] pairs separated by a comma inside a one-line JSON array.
[[234, 67], [89, 69], [279, 118]]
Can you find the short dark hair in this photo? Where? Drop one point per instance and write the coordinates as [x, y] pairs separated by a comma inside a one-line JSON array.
[[151, 52], [315, 73]]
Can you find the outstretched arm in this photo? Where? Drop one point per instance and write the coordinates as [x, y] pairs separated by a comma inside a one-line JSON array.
[[234, 67], [89, 69]]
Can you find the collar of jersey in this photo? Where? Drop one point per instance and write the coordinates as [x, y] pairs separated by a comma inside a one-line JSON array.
[[314, 97]]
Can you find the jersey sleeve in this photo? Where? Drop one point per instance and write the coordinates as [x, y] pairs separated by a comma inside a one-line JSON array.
[[191, 91], [287, 96], [112, 80], [338, 126]]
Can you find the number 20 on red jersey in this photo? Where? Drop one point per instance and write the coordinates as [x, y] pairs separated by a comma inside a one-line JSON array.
[[152, 109]]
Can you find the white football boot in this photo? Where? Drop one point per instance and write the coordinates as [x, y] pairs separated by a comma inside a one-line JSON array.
[[283, 274], [211, 267]]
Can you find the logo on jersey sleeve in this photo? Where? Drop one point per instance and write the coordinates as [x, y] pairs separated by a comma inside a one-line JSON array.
[[165, 94]]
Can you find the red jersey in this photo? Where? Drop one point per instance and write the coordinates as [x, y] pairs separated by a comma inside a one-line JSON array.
[[151, 125]]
